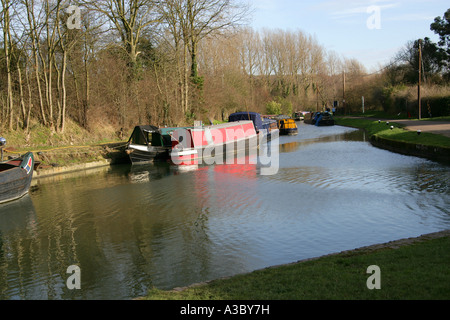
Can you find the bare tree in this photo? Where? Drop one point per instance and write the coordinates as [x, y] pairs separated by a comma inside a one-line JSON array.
[[130, 18], [21, 58], [34, 30], [67, 40], [6, 26], [190, 21], [205, 17]]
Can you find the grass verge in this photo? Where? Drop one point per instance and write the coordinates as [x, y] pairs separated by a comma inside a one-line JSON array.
[[412, 271], [382, 130]]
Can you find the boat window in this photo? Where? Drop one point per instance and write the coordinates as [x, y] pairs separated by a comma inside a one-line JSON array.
[[154, 139], [166, 140], [138, 138]]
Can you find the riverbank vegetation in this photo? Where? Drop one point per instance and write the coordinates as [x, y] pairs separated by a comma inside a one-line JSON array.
[[414, 270], [74, 68]]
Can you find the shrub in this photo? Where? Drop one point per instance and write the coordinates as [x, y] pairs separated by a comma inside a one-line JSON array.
[[273, 107]]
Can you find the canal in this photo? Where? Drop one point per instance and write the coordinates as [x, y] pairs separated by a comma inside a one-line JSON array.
[[130, 229]]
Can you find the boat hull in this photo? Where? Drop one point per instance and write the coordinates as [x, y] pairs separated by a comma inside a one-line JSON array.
[[144, 155], [289, 132], [320, 120], [220, 153], [187, 157], [15, 178], [213, 144], [148, 144], [325, 123]]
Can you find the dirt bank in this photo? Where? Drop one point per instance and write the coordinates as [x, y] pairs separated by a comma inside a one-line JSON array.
[[64, 160]]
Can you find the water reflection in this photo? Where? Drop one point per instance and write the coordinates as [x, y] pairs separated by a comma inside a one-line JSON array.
[[321, 135], [18, 233], [149, 172], [131, 228]]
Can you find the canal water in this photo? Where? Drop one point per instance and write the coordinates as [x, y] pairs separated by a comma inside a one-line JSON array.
[[130, 229]]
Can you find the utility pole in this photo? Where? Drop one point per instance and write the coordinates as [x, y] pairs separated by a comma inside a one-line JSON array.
[[343, 97], [317, 99], [420, 79], [363, 104]]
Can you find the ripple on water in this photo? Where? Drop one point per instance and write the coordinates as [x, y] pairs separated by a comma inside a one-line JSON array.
[[134, 228]]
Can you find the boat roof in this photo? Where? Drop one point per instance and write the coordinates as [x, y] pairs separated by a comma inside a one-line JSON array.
[[170, 130], [246, 115], [282, 117], [155, 129], [147, 128]]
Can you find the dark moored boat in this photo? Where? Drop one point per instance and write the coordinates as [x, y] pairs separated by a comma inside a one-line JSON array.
[[149, 143], [262, 125], [15, 177], [320, 119], [299, 116]]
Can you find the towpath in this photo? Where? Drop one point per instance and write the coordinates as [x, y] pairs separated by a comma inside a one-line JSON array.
[[437, 127]]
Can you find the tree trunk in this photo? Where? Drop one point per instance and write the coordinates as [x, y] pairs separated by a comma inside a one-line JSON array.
[[186, 80], [7, 47], [194, 64], [63, 89], [22, 102], [59, 94], [35, 48], [30, 101]]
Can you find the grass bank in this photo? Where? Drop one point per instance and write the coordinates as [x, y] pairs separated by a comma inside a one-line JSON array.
[[73, 147], [410, 269], [383, 130], [394, 137]]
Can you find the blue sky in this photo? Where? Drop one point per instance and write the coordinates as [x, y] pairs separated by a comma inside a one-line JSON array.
[[342, 25]]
